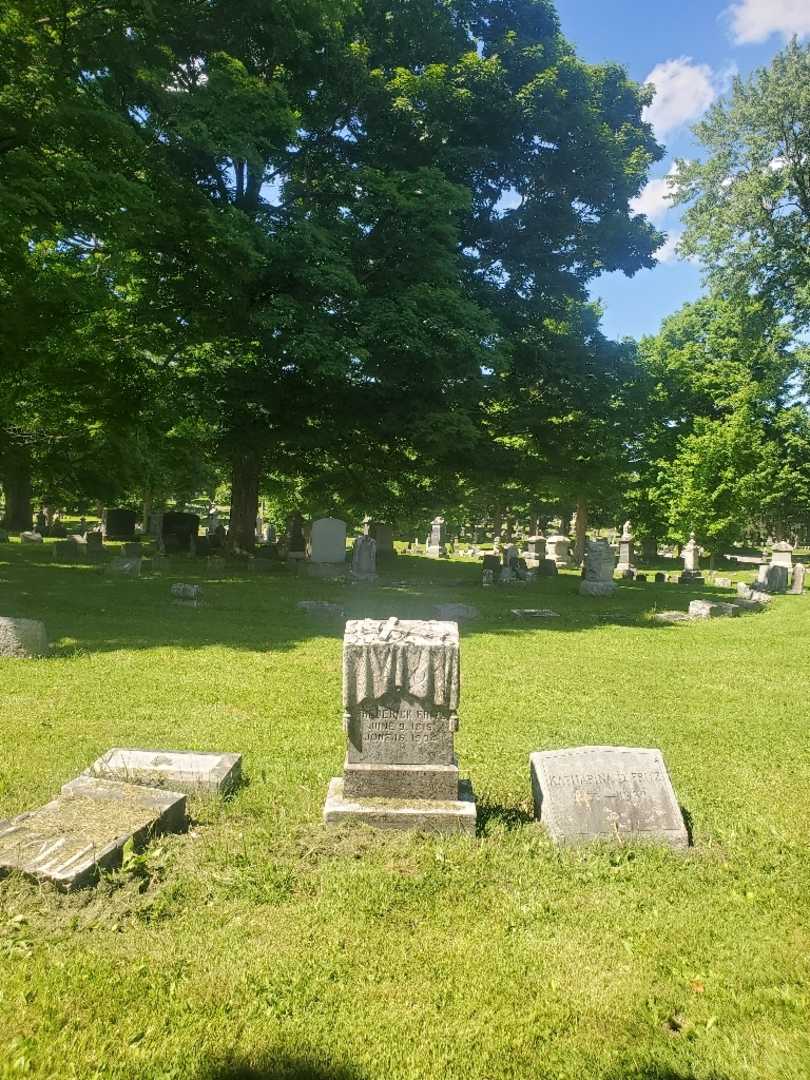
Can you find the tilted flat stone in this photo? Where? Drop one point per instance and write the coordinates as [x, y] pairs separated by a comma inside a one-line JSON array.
[[30, 537], [321, 607], [84, 828], [535, 613], [191, 771], [423, 815], [671, 617], [705, 609], [125, 567], [452, 612], [606, 793], [22, 638]]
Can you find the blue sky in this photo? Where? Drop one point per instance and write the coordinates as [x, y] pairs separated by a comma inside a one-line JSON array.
[[690, 49]]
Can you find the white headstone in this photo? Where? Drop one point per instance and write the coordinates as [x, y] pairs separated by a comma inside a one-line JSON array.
[[327, 543]]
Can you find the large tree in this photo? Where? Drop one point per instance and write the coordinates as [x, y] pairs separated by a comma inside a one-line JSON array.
[[748, 218]]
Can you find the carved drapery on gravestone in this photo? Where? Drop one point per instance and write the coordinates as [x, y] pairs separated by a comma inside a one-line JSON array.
[[606, 793], [327, 542], [364, 558], [401, 685], [599, 565], [797, 584]]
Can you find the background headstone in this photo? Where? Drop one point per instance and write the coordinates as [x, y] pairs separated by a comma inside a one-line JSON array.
[[327, 541], [606, 793], [599, 566], [179, 531], [797, 584], [118, 523], [364, 558]]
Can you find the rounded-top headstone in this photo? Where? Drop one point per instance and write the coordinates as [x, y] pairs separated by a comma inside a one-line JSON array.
[[22, 638]]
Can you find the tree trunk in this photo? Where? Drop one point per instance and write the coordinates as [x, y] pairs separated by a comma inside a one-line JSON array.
[[16, 466], [580, 529], [244, 500], [147, 508]]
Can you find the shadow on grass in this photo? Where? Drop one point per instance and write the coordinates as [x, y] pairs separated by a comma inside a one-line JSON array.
[[509, 817], [274, 1067], [87, 610]]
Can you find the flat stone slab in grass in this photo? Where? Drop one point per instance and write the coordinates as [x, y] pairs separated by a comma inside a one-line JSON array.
[[671, 617], [321, 607], [705, 609], [453, 612], [22, 638], [422, 815], [190, 595], [535, 613], [606, 793], [125, 567], [190, 771], [85, 828]]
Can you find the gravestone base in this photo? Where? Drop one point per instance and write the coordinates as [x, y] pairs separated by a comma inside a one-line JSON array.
[[691, 577], [452, 816], [596, 588], [372, 780], [324, 569]]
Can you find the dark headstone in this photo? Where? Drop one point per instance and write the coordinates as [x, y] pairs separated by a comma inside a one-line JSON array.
[[547, 568], [491, 562], [179, 531], [660, 577], [118, 524]]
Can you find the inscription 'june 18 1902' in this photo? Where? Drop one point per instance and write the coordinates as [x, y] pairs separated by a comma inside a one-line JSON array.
[[401, 733]]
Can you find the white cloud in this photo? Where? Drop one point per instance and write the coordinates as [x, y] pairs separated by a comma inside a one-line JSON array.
[[667, 253], [654, 198], [683, 92], [756, 20]]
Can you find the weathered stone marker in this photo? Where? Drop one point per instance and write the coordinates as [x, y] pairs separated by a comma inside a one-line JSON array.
[[599, 565], [191, 771], [84, 828], [606, 793], [797, 582], [22, 638], [401, 686]]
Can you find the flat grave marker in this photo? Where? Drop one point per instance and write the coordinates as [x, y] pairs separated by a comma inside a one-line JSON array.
[[606, 793], [191, 771]]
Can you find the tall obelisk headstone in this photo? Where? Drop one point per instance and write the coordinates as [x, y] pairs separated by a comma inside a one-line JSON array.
[[401, 685]]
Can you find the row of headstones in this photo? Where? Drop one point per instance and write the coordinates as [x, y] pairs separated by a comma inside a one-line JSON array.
[[401, 695], [124, 797]]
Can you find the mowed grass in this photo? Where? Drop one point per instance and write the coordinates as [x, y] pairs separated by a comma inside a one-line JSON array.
[[260, 945]]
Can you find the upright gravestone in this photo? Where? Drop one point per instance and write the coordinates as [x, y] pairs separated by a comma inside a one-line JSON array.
[[327, 542], [118, 524], [598, 579], [797, 584], [558, 549], [179, 531], [782, 555], [437, 538], [535, 550], [383, 535], [364, 558], [772, 578], [606, 793], [690, 554], [296, 541], [626, 544], [401, 685]]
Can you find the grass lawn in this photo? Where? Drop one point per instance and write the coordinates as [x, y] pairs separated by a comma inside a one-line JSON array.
[[260, 945]]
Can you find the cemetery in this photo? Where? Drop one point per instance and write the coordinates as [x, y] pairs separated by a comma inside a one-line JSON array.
[[404, 531]]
